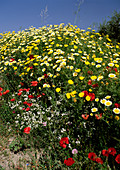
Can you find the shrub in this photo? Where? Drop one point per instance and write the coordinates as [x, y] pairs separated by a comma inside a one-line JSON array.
[[111, 28]]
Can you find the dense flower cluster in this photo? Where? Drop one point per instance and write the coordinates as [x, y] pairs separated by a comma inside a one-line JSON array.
[[111, 151], [67, 79]]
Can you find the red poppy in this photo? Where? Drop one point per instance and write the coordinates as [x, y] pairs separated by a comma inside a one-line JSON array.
[[95, 85], [29, 104], [92, 95], [98, 116], [20, 90], [69, 161], [64, 141], [0, 94], [112, 151], [43, 94], [39, 95], [30, 96], [1, 89], [117, 159], [7, 91], [31, 67], [27, 109], [31, 56], [85, 116], [25, 102], [12, 100], [34, 83], [92, 156], [27, 90], [19, 94], [27, 130], [115, 69], [89, 82], [109, 68], [117, 105], [12, 59], [85, 93], [99, 160], [105, 153], [45, 76]]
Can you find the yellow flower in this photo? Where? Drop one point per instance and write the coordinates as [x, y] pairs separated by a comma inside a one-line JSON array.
[[70, 82], [116, 65], [57, 45], [77, 70], [43, 69], [93, 77], [90, 90], [75, 47], [58, 90], [65, 45], [28, 69], [91, 114], [88, 98], [81, 94], [81, 77], [68, 95], [79, 51], [97, 99], [35, 64], [59, 38], [117, 117], [87, 62], [108, 97], [73, 93], [15, 68]]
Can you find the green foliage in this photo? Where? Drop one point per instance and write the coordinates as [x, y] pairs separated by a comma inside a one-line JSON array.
[[18, 144], [112, 27]]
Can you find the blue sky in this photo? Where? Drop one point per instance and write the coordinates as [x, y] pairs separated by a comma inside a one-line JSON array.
[[22, 14]]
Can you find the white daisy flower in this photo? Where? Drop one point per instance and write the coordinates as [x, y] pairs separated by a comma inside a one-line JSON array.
[[116, 110], [103, 101], [108, 103], [111, 64], [94, 109], [111, 75]]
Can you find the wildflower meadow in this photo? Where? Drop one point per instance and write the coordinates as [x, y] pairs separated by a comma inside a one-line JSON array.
[[60, 92]]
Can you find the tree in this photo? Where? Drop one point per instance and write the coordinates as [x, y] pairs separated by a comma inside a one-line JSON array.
[[112, 27]]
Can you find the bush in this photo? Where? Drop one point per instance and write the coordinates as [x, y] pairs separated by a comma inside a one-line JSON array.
[[63, 83], [111, 28]]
